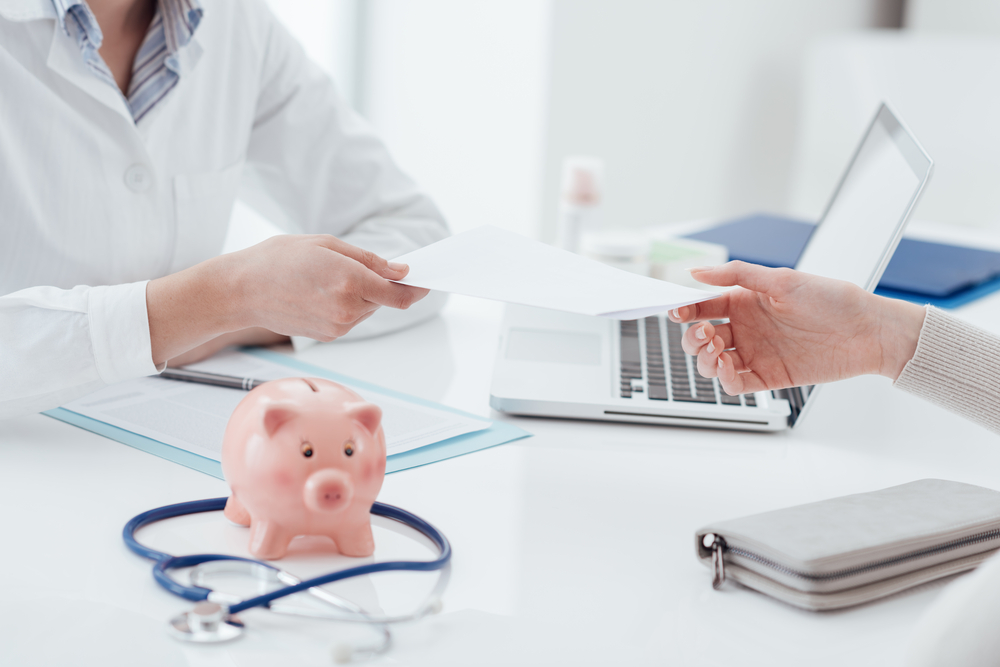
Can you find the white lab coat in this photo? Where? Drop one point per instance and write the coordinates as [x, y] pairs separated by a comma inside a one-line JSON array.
[[92, 206]]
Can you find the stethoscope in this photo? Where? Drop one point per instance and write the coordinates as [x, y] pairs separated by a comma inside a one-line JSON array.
[[213, 619]]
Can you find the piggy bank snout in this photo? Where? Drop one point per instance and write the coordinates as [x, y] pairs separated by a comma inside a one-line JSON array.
[[328, 491]]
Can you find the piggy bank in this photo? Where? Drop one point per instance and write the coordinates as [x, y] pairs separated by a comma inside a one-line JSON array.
[[304, 456]]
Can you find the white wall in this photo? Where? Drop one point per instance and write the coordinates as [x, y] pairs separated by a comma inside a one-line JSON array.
[[945, 87], [457, 90], [693, 105], [954, 16]]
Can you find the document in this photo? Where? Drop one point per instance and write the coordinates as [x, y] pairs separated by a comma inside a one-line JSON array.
[[491, 263], [193, 417]]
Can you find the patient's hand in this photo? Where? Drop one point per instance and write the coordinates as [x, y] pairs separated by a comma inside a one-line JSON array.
[[789, 329]]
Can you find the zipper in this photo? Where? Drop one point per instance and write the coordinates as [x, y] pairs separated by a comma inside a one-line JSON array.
[[718, 547]]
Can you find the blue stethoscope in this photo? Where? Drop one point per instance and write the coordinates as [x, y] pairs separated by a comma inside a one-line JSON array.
[[214, 618]]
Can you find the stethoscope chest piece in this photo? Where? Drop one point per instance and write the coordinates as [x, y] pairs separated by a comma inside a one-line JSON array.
[[207, 623]]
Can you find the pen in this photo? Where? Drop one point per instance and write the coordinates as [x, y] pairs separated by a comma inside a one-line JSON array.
[[246, 384]]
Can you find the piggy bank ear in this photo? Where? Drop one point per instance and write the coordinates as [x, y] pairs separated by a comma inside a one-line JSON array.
[[276, 415], [368, 415]]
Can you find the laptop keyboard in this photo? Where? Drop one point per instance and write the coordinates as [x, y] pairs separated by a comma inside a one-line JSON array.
[[666, 377]]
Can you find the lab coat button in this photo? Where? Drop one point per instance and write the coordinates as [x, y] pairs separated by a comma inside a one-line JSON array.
[[138, 179]]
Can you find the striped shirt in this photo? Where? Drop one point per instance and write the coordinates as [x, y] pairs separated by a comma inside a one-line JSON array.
[[157, 68]]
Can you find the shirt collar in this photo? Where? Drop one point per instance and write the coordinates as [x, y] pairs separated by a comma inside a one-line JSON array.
[[180, 20], [82, 15]]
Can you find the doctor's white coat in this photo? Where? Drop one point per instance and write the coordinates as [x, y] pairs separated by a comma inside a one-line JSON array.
[[92, 205]]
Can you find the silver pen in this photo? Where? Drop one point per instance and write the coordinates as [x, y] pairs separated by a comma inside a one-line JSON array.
[[230, 381]]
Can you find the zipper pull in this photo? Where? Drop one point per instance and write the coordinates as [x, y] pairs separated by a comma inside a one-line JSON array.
[[717, 545]]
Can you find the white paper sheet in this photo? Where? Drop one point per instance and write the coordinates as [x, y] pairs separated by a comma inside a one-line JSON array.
[[491, 263], [193, 417]]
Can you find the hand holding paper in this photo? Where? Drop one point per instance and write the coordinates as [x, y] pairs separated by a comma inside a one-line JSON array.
[[491, 263]]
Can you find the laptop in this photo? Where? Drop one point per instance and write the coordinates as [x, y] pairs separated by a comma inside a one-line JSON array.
[[555, 364]]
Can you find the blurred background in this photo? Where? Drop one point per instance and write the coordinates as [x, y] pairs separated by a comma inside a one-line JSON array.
[[707, 109]]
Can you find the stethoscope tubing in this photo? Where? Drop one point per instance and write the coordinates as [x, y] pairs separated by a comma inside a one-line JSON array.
[[165, 562]]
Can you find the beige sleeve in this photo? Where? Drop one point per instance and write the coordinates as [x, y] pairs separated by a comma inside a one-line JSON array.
[[957, 366]]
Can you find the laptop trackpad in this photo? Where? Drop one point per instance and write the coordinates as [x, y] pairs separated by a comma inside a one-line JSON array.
[[561, 347]]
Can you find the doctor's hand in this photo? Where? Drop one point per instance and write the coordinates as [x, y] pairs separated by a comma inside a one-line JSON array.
[[789, 329], [316, 286]]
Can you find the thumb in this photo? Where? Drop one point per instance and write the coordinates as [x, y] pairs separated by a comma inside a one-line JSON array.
[[750, 276]]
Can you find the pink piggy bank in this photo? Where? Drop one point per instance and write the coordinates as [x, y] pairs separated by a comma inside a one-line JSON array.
[[304, 457]]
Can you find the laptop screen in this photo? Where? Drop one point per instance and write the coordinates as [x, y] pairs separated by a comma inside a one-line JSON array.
[[858, 233]]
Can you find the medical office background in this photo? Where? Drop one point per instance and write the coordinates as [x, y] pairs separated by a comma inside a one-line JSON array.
[[707, 109]]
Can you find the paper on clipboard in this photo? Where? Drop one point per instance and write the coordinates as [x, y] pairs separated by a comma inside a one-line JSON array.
[[491, 263]]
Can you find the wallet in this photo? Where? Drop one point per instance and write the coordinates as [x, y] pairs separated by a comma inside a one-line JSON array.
[[853, 549]]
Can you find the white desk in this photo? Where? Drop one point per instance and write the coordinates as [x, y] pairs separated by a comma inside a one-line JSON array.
[[571, 547]]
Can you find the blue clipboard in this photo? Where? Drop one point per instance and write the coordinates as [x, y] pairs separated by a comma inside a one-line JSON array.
[[498, 433]]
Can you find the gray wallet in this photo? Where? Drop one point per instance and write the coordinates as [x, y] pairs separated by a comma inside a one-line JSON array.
[[844, 551]]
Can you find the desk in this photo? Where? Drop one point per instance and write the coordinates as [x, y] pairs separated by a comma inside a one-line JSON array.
[[571, 547]]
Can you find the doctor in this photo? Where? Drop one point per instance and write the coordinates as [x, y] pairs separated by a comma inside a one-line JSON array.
[[127, 130]]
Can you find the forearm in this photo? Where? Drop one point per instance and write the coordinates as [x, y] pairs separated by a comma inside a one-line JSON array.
[[956, 366], [193, 307]]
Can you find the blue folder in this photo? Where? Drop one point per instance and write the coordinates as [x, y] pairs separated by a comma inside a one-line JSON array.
[[497, 434], [944, 275]]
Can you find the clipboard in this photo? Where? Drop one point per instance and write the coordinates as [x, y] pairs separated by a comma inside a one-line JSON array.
[[498, 433]]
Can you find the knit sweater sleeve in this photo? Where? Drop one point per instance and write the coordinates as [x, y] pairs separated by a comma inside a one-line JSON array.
[[957, 366]]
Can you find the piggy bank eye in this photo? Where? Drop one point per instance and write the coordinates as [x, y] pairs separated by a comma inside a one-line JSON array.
[[349, 447], [307, 449]]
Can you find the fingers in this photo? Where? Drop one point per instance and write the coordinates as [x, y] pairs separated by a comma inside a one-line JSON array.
[[357, 299], [735, 377], [708, 310], [713, 309], [393, 295], [340, 330], [776, 283], [358, 321], [707, 343], [378, 290], [712, 346], [751, 276], [385, 269], [707, 360], [699, 335], [734, 381]]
